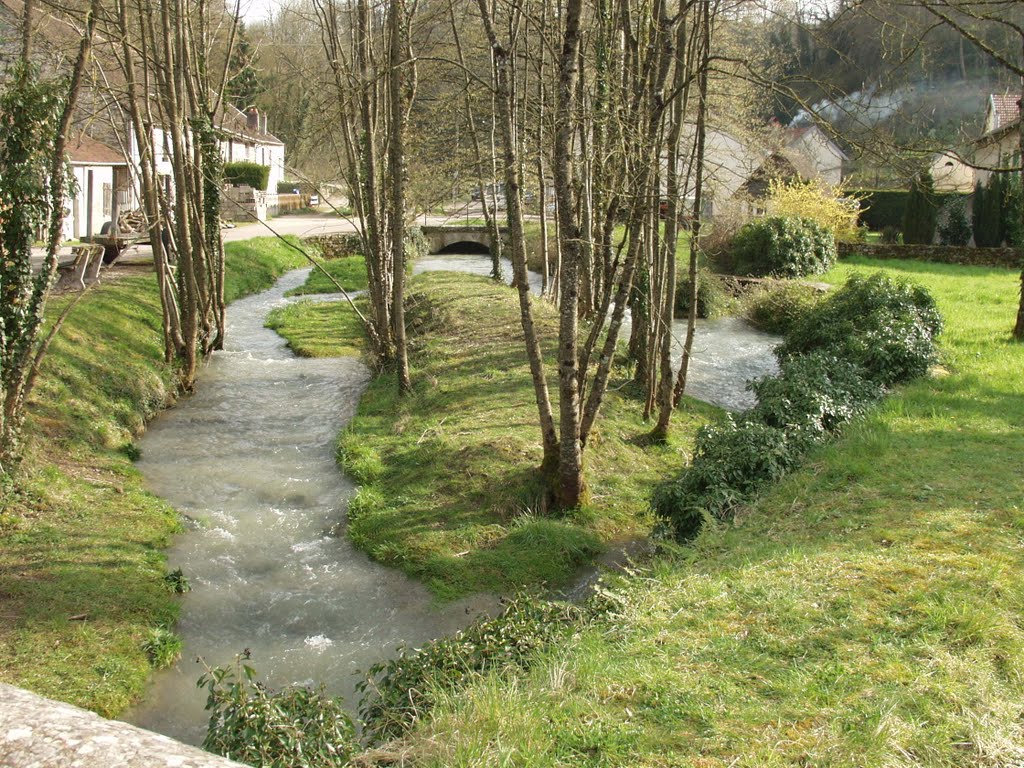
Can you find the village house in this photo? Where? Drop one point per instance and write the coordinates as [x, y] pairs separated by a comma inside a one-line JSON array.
[[999, 146]]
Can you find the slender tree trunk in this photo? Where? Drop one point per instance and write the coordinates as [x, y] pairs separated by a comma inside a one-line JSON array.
[[505, 100], [571, 491], [398, 79]]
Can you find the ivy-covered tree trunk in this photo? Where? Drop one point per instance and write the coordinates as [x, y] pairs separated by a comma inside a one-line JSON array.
[[34, 120]]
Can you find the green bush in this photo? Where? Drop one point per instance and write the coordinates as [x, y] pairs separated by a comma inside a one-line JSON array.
[[712, 300], [163, 647], [733, 460], [835, 361], [774, 307], [783, 247], [296, 726], [891, 235], [988, 213], [886, 326], [955, 229], [250, 174], [1013, 208], [813, 396], [399, 692], [920, 213], [881, 208]]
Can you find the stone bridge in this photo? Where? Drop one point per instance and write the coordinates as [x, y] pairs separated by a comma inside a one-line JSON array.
[[453, 239]]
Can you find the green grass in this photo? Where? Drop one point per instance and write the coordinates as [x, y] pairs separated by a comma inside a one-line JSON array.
[[350, 272], [316, 329], [81, 542], [449, 490], [868, 611]]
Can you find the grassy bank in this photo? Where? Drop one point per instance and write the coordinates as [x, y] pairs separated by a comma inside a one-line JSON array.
[[447, 484], [868, 611], [350, 272], [81, 562]]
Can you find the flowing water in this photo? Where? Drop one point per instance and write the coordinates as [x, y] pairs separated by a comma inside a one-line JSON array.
[[249, 460], [726, 353]]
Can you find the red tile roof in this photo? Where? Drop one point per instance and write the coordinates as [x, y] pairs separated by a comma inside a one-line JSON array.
[[1006, 108], [85, 150]]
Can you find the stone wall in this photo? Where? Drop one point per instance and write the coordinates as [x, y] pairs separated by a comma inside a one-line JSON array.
[[37, 733], [338, 245], [944, 254]]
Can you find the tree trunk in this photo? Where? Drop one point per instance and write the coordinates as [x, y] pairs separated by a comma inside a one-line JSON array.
[[398, 79]]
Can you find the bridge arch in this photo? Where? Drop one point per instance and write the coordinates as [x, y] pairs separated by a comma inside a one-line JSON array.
[[449, 239]]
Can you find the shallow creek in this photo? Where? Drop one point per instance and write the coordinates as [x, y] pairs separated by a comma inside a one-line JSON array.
[[249, 460], [726, 353]]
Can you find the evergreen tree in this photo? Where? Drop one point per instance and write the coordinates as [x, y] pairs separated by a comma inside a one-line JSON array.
[[919, 216], [1013, 202], [243, 84], [955, 230], [978, 214], [988, 232]]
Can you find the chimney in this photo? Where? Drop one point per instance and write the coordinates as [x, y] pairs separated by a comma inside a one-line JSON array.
[[252, 119], [265, 118]]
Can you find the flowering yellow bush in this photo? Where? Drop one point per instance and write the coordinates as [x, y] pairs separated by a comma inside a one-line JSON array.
[[832, 208]]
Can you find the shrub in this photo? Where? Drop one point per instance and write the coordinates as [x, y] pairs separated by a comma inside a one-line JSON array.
[[886, 326], [891, 234], [249, 174], [255, 725], [881, 208], [399, 692], [776, 306], [919, 216], [829, 207], [1013, 208], [733, 460], [783, 247], [813, 396], [712, 300], [955, 229]]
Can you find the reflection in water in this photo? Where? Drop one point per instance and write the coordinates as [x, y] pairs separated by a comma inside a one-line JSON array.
[[726, 353], [249, 458]]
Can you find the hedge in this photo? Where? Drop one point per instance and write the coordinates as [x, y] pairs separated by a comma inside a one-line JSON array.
[[882, 208], [250, 174]]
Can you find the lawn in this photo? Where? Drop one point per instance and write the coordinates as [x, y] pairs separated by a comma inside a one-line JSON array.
[[81, 541], [350, 272], [868, 611], [448, 488]]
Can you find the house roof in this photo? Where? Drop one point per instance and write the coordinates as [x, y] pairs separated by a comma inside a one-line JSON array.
[[84, 150], [1005, 108], [234, 121], [795, 133]]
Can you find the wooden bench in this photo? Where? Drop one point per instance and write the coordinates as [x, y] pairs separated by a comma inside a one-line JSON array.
[[84, 270]]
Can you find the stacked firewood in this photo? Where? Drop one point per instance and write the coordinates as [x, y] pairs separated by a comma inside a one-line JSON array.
[[132, 221]]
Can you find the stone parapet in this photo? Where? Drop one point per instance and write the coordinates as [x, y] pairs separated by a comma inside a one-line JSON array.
[[40, 733]]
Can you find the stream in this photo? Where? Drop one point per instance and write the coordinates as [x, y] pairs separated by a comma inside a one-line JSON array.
[[249, 461]]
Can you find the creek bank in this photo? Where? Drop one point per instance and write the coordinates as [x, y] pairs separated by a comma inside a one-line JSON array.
[[82, 561], [865, 609], [447, 487], [251, 457]]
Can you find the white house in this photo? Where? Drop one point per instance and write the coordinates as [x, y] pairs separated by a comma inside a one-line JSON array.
[[950, 173], [999, 146], [244, 137], [813, 154], [98, 171]]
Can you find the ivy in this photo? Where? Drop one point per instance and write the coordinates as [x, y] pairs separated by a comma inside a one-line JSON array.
[[30, 119]]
